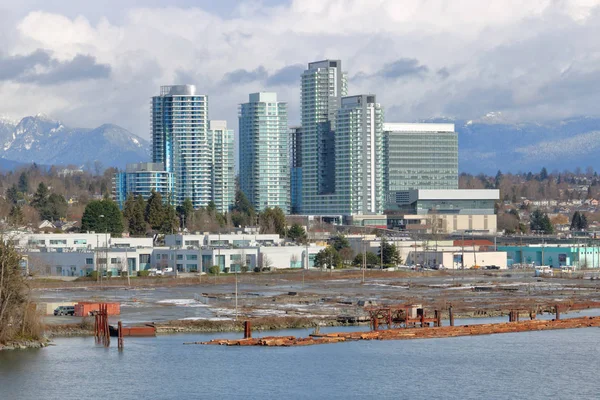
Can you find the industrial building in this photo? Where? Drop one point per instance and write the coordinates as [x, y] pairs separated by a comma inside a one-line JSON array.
[[553, 255]]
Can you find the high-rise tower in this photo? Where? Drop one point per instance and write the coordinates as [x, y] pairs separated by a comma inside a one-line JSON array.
[[323, 86], [222, 159], [180, 141], [263, 152]]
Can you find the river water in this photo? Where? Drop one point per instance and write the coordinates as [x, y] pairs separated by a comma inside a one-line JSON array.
[[562, 364]]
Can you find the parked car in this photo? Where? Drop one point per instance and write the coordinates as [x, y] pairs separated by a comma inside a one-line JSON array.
[[64, 310]]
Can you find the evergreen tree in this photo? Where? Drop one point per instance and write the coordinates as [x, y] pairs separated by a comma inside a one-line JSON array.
[[170, 222], [102, 216], [12, 194], [24, 183], [339, 242], [498, 179], [575, 221], [15, 217], [296, 233], [40, 197], [133, 212], [155, 211], [539, 221], [328, 257], [371, 257], [55, 208], [390, 253], [186, 213], [543, 174]]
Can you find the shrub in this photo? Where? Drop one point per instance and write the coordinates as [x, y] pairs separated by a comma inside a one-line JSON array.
[[93, 275], [143, 273], [108, 274], [244, 268], [214, 270]]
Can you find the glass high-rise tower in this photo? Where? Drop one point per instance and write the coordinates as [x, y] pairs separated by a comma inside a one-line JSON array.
[[323, 86], [180, 141], [264, 152], [359, 168], [222, 171]]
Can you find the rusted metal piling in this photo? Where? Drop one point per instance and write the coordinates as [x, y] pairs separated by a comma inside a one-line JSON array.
[[101, 328], [247, 330]]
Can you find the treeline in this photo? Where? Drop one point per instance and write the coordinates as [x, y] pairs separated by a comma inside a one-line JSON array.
[[542, 185], [33, 194]]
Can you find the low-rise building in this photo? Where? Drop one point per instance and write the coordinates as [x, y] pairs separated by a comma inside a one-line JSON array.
[[553, 255], [443, 211]]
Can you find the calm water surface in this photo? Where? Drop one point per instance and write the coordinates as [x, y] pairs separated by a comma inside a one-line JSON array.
[[534, 365]]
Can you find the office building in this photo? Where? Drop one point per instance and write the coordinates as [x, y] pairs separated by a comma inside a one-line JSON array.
[[140, 179], [295, 147], [263, 152], [445, 211], [180, 141], [323, 85], [419, 156], [222, 168]]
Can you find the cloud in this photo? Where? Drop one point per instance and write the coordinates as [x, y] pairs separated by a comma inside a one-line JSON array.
[[462, 59], [404, 67], [39, 67], [15, 66], [289, 75], [242, 76]]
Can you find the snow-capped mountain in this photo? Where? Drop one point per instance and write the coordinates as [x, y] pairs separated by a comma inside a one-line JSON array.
[[488, 145], [43, 140]]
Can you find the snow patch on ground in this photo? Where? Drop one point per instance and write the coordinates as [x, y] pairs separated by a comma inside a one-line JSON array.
[[182, 302]]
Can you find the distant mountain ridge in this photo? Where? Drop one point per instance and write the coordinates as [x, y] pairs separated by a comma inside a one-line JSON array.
[[43, 140], [488, 146]]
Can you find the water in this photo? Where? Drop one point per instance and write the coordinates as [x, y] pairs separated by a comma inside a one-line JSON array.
[[560, 364]]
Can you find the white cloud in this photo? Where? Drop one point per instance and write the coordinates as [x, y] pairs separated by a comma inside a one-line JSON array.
[[519, 57]]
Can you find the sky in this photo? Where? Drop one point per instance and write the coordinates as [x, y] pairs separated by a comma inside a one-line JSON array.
[[88, 63]]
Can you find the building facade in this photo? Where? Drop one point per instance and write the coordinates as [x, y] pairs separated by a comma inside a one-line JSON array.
[[141, 179], [359, 151], [295, 147], [264, 153], [323, 84], [444, 211], [222, 168], [419, 156], [180, 141]]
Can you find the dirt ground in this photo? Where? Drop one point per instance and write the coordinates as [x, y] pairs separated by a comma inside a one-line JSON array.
[[299, 298]]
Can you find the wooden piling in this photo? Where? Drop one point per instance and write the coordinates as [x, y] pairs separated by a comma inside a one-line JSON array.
[[451, 316], [247, 330], [120, 336]]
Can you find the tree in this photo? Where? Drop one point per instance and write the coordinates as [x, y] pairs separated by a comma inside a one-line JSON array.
[[579, 221], [297, 233], [155, 211], [15, 217], [16, 318], [543, 174], [170, 221], [242, 212], [539, 221], [133, 212], [55, 208], [328, 257], [339, 242], [40, 197], [102, 216], [390, 253], [24, 183], [272, 220], [371, 257], [347, 254], [185, 212], [12, 194]]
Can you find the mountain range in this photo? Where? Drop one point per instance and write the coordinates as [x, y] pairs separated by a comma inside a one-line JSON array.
[[46, 141], [489, 144], [486, 145]]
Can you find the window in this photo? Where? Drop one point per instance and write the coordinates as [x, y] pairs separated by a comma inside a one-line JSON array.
[[191, 257], [89, 261], [57, 241], [192, 243], [80, 241], [180, 256], [114, 260]]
